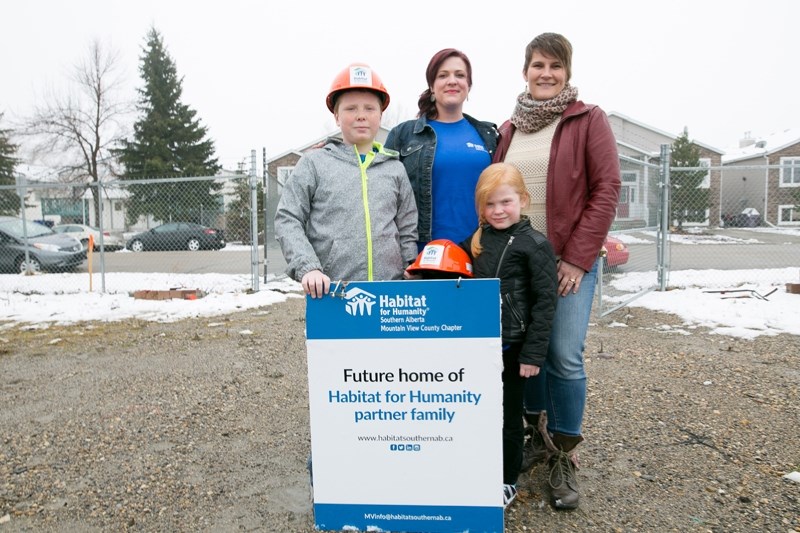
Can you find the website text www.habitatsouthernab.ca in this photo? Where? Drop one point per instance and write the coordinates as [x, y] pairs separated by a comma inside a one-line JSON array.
[[405, 438]]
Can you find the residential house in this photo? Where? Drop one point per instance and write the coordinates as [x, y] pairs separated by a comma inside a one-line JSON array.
[[639, 145], [638, 203], [764, 174], [50, 198]]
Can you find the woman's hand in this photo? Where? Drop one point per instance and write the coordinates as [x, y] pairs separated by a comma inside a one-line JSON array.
[[569, 278], [316, 284], [528, 371]]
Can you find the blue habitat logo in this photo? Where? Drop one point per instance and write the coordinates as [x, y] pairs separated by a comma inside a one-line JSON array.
[[359, 302], [360, 75]]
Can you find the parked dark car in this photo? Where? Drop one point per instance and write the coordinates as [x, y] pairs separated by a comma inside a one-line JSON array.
[[47, 250], [177, 236]]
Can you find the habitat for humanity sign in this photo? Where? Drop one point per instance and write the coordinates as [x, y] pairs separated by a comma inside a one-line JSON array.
[[405, 394]]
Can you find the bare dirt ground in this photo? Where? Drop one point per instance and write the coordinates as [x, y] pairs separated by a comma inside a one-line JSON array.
[[202, 425]]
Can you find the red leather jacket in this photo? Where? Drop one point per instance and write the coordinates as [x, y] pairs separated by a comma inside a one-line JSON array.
[[583, 182]]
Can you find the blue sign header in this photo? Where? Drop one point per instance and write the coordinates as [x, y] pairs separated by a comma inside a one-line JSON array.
[[406, 310]]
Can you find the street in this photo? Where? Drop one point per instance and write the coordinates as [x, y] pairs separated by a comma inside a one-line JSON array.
[[770, 250]]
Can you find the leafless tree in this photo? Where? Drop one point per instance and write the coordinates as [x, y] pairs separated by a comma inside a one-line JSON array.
[[76, 130]]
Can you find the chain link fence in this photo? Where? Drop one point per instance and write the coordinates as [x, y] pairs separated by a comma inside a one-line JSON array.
[[178, 226], [633, 243], [700, 219], [668, 218]]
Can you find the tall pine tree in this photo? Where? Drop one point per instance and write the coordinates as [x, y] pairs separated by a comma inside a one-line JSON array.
[[168, 142], [9, 201], [688, 199]]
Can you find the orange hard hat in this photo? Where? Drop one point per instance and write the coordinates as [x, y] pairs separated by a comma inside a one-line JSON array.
[[357, 76], [442, 258]]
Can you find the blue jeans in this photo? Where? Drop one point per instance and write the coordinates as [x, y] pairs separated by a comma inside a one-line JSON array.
[[560, 388]]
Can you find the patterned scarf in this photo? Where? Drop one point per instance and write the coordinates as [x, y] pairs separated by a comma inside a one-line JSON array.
[[532, 115]]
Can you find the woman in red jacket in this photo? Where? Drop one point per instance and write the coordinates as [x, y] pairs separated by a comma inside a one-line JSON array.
[[567, 154]]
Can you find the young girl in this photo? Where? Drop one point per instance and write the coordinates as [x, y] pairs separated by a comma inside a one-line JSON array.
[[506, 246]]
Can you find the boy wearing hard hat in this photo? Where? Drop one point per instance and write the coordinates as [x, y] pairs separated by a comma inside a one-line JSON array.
[[347, 211]]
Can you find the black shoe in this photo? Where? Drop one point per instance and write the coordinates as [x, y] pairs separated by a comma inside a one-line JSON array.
[[534, 450]]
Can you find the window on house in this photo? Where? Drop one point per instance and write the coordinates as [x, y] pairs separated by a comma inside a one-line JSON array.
[[788, 214], [630, 184], [283, 175], [790, 171], [706, 183]]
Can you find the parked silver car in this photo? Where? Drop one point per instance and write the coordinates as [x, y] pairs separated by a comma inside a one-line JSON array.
[[46, 249], [82, 232]]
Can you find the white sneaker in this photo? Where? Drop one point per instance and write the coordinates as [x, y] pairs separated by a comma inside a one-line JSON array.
[[509, 495]]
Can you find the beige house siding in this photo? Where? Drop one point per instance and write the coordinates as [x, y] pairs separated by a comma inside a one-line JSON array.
[[743, 188], [641, 141], [715, 183]]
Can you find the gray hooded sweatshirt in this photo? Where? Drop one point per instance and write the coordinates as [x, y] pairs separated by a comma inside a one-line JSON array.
[[350, 220]]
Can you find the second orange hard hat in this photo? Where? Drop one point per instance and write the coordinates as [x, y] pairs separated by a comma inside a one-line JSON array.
[[442, 258]]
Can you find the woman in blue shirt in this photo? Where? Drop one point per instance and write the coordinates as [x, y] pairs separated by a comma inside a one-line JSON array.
[[444, 150]]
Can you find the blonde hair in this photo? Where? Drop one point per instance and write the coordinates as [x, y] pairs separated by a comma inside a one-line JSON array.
[[494, 176]]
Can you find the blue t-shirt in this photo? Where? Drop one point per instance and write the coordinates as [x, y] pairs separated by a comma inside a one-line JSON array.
[[459, 159]]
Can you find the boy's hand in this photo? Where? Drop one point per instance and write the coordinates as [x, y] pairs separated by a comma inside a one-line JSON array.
[[409, 275], [528, 371], [316, 284]]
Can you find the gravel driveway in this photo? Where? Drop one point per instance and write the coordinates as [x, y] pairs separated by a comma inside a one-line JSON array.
[[202, 425]]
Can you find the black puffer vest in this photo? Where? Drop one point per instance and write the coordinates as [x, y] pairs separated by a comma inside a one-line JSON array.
[[523, 259]]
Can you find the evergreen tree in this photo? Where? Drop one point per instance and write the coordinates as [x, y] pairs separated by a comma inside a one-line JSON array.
[[168, 141], [9, 200], [688, 200]]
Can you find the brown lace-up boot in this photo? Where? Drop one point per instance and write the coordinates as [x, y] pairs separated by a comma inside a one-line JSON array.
[[563, 462], [534, 451]]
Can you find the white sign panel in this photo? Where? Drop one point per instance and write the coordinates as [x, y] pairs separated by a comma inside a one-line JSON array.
[[405, 394]]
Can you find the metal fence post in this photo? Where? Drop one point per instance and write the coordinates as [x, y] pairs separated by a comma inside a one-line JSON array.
[[663, 228], [253, 222], [21, 190], [265, 194], [101, 227]]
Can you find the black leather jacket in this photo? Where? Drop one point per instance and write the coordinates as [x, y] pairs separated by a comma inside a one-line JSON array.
[[523, 259], [415, 140]]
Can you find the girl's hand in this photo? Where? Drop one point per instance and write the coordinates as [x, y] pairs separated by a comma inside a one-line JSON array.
[[528, 371]]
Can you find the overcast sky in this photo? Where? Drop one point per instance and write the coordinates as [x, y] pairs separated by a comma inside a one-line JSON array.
[[257, 73]]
